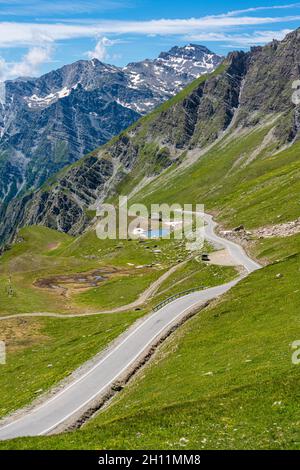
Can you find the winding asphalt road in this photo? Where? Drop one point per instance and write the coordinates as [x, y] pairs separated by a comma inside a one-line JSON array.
[[74, 399]]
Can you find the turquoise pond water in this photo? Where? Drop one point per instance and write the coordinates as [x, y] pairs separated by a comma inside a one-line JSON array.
[[158, 233]]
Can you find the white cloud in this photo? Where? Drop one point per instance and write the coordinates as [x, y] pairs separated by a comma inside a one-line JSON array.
[[31, 34], [3, 67], [40, 37], [100, 52], [262, 8], [242, 40], [29, 64]]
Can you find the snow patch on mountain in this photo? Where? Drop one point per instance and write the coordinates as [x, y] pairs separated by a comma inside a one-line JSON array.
[[35, 101], [171, 71], [161, 78]]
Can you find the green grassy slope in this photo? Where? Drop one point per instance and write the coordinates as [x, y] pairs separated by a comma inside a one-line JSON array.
[[239, 179], [224, 380], [43, 351], [41, 253]]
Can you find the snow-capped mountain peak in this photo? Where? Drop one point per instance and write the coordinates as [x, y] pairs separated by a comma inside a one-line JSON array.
[[55, 119], [192, 59], [170, 72]]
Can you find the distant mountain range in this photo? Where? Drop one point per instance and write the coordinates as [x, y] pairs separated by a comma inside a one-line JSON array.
[[245, 104], [49, 122]]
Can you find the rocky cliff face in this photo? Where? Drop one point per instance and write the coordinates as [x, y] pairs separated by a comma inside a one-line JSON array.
[[268, 86], [206, 111], [52, 121], [233, 96]]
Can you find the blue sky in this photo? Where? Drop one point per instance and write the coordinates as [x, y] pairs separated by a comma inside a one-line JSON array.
[[37, 36]]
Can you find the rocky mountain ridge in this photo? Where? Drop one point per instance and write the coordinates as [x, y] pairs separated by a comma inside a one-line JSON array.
[[231, 99], [51, 121]]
